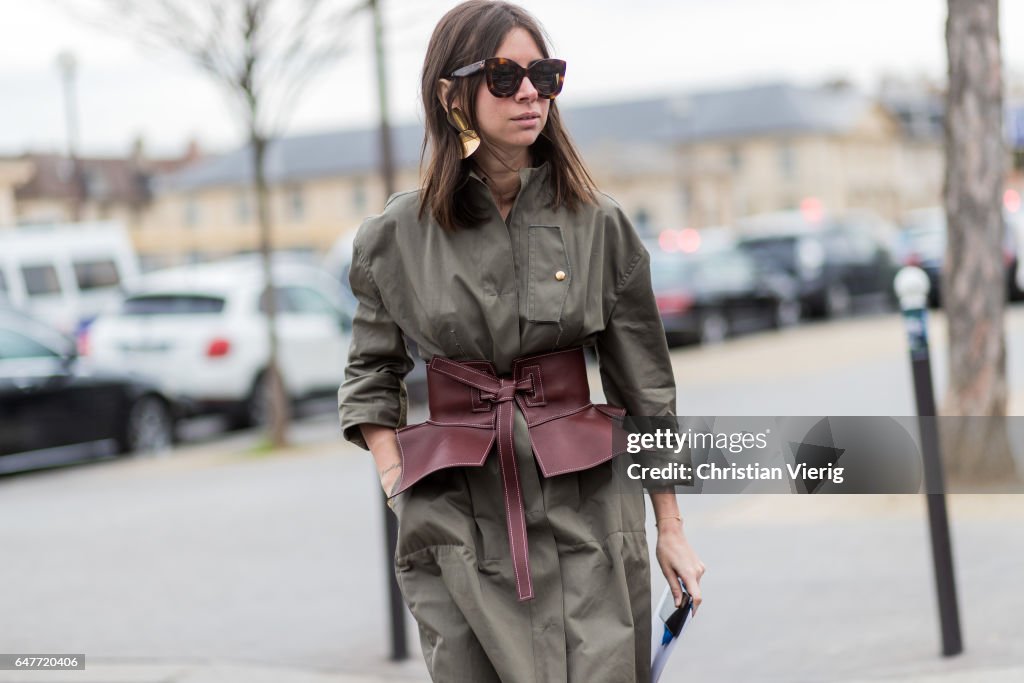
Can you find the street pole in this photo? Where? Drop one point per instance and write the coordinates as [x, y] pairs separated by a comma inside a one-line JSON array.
[[387, 167], [912, 287], [68, 67], [399, 649]]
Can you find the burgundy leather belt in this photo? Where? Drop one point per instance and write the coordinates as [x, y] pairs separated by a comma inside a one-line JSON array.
[[471, 408]]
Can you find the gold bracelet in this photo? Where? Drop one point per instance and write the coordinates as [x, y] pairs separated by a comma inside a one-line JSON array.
[[661, 519]]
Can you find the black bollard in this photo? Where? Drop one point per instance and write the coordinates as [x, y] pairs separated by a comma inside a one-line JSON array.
[[912, 286]]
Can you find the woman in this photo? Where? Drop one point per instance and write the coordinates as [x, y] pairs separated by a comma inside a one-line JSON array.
[[525, 563]]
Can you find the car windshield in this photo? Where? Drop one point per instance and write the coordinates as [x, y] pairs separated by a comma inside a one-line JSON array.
[[779, 252], [670, 270], [172, 304], [925, 231], [724, 270], [14, 345], [927, 239]]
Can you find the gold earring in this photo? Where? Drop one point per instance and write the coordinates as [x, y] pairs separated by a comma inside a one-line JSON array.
[[467, 136]]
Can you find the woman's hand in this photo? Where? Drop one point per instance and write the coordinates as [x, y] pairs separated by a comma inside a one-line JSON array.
[[678, 559], [383, 443], [389, 478]]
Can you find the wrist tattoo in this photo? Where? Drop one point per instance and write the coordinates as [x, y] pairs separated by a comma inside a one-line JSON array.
[[388, 469]]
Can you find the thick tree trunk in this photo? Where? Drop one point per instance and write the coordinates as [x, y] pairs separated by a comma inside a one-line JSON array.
[[279, 404], [973, 281]]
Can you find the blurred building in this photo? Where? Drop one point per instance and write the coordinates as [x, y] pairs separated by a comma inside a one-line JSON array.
[[696, 159], [53, 188], [321, 185], [13, 173], [709, 158]]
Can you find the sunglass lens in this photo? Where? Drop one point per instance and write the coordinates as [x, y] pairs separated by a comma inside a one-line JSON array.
[[546, 77], [504, 79]]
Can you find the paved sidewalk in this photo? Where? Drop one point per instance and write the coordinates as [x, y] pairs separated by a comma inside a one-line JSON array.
[[219, 563], [223, 673], [211, 672]]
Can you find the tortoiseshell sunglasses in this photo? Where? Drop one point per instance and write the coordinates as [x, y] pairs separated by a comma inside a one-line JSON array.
[[504, 76]]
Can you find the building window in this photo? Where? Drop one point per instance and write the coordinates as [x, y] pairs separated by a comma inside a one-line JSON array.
[[735, 158], [358, 195], [643, 221], [65, 169], [191, 211], [787, 160], [243, 207], [296, 204]]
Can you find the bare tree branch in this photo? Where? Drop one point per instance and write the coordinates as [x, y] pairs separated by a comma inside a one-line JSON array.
[[263, 53]]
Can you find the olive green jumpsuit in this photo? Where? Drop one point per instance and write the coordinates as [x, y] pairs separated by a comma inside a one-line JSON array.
[[492, 293]]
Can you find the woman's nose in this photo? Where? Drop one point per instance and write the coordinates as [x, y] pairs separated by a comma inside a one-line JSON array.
[[526, 90]]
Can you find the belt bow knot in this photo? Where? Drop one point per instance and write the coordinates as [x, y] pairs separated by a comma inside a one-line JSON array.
[[472, 407]]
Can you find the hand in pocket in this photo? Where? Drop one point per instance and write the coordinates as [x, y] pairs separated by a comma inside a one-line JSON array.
[[390, 478]]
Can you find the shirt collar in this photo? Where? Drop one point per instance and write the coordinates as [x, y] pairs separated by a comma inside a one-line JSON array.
[[526, 174]]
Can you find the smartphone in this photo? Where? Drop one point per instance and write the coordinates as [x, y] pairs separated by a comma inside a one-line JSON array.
[[675, 617]]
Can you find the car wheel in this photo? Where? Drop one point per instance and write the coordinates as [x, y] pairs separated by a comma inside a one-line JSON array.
[[149, 427], [837, 300], [1014, 292], [674, 339], [787, 313], [254, 411], [713, 328]]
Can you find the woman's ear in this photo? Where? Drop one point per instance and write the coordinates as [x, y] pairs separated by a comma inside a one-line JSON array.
[[443, 85]]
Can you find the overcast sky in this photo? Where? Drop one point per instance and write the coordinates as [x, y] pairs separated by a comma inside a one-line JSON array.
[[615, 49]]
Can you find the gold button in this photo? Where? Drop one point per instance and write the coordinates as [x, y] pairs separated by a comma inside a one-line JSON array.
[[560, 275]]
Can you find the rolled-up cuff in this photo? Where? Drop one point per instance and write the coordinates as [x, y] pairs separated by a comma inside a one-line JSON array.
[[388, 413]]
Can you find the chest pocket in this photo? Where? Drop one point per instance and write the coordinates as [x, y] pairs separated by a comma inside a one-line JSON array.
[[549, 274]]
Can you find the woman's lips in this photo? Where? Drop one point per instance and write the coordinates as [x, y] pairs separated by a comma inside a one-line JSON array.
[[528, 122]]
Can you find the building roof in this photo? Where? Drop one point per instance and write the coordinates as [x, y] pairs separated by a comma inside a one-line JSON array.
[[299, 157], [770, 109], [776, 108], [114, 180]]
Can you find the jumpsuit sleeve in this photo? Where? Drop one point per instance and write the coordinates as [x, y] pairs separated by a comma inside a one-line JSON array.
[[374, 388], [633, 355]]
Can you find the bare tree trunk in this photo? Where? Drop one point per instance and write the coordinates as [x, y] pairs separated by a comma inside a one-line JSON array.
[[279, 404], [263, 53], [974, 282]]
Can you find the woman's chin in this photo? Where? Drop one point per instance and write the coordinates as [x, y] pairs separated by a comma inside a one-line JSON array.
[[519, 140]]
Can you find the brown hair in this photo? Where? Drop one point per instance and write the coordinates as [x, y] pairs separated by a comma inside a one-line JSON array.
[[470, 32]]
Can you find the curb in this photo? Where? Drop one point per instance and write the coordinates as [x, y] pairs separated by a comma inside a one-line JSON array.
[[210, 673]]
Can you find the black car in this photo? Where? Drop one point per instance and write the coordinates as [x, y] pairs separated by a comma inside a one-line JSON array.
[[54, 409], [922, 243], [707, 296], [837, 262]]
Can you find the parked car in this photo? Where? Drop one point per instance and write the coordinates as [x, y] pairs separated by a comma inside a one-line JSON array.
[[1015, 232], [707, 296], [64, 274], [56, 407], [838, 261], [338, 262], [922, 243], [200, 333]]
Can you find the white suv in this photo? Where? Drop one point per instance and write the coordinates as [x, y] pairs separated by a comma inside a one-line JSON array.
[[200, 333]]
